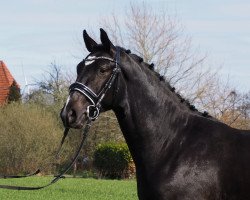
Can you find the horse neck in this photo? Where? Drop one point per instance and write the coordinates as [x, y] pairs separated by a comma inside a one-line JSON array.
[[149, 115]]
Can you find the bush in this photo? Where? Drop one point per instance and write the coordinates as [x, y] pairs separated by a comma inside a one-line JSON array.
[[14, 92], [29, 136], [113, 160]]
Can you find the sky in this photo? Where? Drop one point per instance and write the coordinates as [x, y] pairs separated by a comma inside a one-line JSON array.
[[35, 33]]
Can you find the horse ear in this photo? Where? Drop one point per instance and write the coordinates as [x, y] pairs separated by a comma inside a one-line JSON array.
[[107, 44], [89, 42]]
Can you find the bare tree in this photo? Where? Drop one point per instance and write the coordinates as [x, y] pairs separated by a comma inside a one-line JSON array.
[[234, 110], [52, 88], [159, 38], [226, 103]]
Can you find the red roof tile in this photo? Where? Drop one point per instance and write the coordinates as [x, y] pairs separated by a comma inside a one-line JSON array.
[[6, 80]]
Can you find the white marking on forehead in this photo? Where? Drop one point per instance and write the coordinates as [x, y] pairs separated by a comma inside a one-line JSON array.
[[88, 62]]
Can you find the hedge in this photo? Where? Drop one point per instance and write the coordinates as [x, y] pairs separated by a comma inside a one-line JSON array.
[[113, 161], [29, 137]]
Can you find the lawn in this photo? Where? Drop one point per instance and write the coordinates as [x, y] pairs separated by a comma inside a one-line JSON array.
[[71, 189]]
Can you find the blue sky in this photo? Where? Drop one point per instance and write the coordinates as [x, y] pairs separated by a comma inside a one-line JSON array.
[[34, 33]]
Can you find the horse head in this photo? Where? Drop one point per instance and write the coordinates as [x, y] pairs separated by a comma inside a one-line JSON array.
[[96, 82]]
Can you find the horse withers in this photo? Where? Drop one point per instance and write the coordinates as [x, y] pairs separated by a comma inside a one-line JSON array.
[[179, 153]]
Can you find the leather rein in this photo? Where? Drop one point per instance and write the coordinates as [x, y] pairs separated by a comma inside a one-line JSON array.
[[93, 111]]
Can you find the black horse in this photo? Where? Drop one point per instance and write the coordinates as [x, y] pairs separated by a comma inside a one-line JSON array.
[[179, 152]]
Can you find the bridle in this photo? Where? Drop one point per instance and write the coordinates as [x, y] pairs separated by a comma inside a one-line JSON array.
[[93, 112]]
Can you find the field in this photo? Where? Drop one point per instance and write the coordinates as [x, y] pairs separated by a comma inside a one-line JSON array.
[[71, 189]]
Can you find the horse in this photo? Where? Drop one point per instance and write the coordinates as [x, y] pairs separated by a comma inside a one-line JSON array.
[[179, 152]]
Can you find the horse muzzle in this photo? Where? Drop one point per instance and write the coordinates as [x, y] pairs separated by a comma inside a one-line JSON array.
[[74, 113]]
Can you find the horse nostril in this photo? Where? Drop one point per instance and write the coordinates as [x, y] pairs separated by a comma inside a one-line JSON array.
[[71, 116]]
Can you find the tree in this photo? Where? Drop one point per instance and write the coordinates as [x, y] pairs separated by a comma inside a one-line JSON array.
[[14, 92], [159, 38], [236, 110], [53, 89], [225, 103]]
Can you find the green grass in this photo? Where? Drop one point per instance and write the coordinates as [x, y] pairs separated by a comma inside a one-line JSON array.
[[71, 189]]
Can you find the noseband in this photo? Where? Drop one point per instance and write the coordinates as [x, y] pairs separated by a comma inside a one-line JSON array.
[[93, 110]]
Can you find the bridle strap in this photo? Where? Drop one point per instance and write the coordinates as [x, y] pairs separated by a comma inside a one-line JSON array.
[[86, 91], [59, 176], [93, 110], [20, 176]]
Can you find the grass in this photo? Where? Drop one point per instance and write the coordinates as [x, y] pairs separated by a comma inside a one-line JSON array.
[[71, 189]]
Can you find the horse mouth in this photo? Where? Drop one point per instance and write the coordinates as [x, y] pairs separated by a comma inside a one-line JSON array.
[[77, 125], [71, 120], [80, 122]]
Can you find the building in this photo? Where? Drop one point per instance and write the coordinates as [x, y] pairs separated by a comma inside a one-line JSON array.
[[6, 81]]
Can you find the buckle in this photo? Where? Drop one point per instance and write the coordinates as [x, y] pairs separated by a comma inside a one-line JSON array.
[[93, 112]]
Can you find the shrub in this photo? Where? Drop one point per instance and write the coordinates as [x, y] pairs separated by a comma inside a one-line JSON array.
[[29, 136], [113, 160], [14, 92]]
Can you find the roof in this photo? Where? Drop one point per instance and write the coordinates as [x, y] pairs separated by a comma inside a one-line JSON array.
[[6, 80]]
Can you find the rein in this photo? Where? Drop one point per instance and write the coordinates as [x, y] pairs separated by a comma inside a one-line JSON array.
[[57, 177], [93, 111]]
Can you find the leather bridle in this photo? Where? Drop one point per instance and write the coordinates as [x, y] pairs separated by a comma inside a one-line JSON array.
[[93, 112]]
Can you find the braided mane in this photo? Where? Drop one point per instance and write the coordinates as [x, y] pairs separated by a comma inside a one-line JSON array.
[[161, 78]]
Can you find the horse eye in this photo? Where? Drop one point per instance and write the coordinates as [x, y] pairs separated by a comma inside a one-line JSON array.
[[102, 70]]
